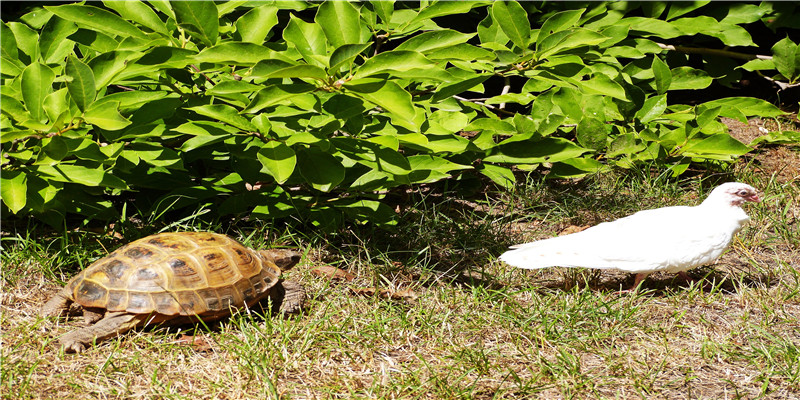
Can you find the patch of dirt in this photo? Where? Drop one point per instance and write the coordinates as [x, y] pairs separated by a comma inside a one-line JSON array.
[[745, 133], [782, 162]]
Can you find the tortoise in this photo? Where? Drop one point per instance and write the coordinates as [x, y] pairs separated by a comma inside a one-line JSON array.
[[173, 279]]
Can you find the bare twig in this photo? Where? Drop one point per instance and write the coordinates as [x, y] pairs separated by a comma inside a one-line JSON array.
[[125, 88], [480, 103], [713, 52], [506, 88], [194, 67], [782, 85]]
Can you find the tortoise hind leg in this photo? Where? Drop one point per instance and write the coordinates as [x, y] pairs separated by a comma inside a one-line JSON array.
[[111, 325], [288, 297]]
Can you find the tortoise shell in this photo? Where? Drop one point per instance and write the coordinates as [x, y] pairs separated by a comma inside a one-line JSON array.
[[179, 273]]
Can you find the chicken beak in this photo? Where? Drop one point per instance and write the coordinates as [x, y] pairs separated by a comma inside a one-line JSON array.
[[754, 198]]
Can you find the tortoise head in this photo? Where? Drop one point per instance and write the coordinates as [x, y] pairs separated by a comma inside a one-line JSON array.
[[283, 258]]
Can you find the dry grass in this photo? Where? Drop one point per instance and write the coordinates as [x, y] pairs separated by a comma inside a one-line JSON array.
[[478, 329]]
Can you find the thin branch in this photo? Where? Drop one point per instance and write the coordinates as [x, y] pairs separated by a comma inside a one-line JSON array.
[[713, 52], [194, 67], [782, 85], [480, 103], [505, 90]]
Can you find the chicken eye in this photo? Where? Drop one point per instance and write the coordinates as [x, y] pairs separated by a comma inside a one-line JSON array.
[[743, 193]]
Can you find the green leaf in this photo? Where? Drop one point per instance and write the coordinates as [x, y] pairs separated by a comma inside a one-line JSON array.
[[550, 149], [445, 91], [676, 9], [365, 211], [106, 116], [513, 20], [749, 106], [13, 108], [37, 83], [278, 159], [502, 176], [663, 76], [340, 22], [386, 94], [384, 9], [395, 60], [81, 83], [559, 22], [569, 100], [463, 51], [568, 40], [275, 94], [53, 38], [159, 58], [83, 175], [489, 32], [26, 39], [684, 78], [107, 66], [237, 53], [651, 27], [758, 65], [742, 13], [786, 56], [226, 114], [232, 87], [442, 8], [264, 68], [601, 84], [36, 17], [652, 108], [321, 170], [576, 167], [97, 19], [730, 35], [433, 40], [56, 106], [8, 43], [708, 116], [433, 163], [154, 154], [308, 39], [136, 99], [721, 146], [138, 12], [373, 155], [345, 55], [254, 26], [199, 18], [299, 71], [94, 40], [13, 189], [778, 137], [592, 134]]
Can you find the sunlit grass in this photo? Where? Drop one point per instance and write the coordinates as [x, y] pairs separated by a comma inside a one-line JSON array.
[[477, 328]]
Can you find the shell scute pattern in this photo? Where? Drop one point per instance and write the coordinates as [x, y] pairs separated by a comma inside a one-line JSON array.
[[117, 300], [188, 273]]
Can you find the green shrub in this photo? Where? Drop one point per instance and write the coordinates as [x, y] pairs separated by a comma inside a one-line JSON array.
[[316, 111]]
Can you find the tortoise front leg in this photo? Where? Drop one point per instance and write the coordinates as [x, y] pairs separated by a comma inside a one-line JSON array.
[[58, 305], [111, 325]]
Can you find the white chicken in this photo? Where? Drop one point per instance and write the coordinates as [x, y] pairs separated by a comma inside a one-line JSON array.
[[672, 239]]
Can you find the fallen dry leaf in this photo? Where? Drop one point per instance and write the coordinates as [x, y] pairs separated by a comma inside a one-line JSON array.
[[332, 273], [407, 295], [197, 343], [573, 229]]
